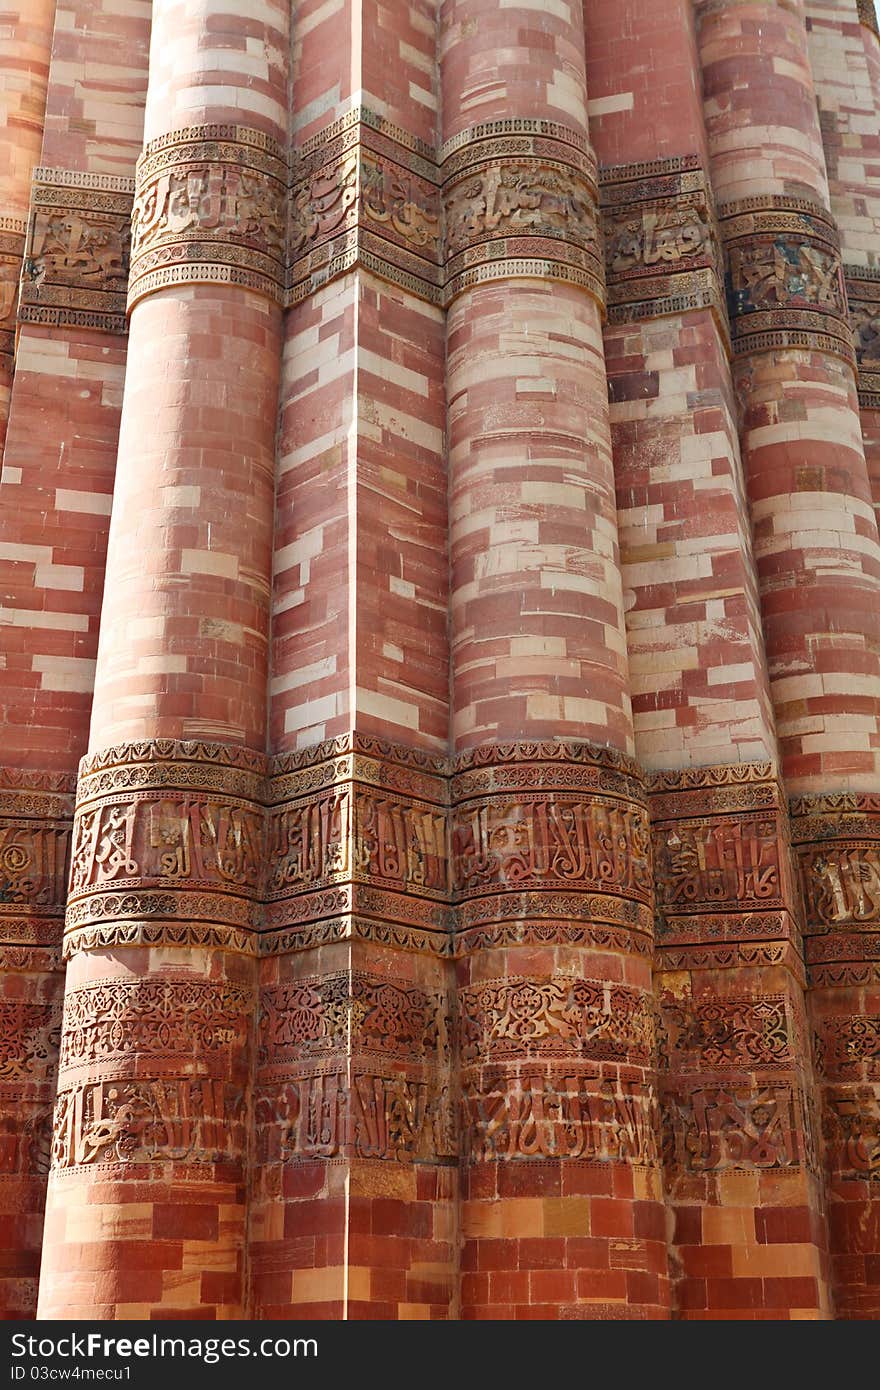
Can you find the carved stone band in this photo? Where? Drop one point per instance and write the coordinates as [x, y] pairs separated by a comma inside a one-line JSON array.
[[76, 259], [512, 197], [520, 197], [662, 254], [785, 283], [209, 208], [837, 841], [12, 242], [863, 295]]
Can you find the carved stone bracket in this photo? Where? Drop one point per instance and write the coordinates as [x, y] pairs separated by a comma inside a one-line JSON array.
[[12, 243], [77, 254], [784, 277], [863, 294], [722, 863], [662, 252], [513, 197], [208, 209]]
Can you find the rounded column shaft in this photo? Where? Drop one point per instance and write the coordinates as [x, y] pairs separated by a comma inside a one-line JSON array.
[[552, 1172], [169, 828]]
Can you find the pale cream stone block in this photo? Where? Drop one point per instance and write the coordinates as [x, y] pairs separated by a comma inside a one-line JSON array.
[[67, 577], [40, 617], [209, 562], [385, 707], [304, 675], [607, 106], [65, 673]]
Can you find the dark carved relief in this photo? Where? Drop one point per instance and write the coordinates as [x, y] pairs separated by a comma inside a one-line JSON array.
[[662, 254], [149, 1121], [560, 1116], [837, 838], [705, 1034], [108, 1020], [577, 1018], [77, 254], [12, 243], [863, 295], [35, 812], [868, 14], [785, 284], [851, 1128], [209, 207], [369, 1115], [713, 1128]]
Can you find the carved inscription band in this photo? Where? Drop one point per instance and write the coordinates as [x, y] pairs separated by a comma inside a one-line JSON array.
[[209, 207], [785, 284]]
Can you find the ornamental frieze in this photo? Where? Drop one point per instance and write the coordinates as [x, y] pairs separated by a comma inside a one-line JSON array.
[[209, 207], [364, 1115], [108, 1021], [662, 253], [705, 863], [784, 276], [351, 1010], [25, 1137], [567, 1016], [29, 1036], [536, 841], [76, 260], [568, 1116], [171, 1119], [705, 1034]]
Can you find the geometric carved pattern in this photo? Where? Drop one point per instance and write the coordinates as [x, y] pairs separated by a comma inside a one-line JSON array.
[[707, 1034], [784, 278], [209, 207], [519, 1017], [662, 254], [77, 255]]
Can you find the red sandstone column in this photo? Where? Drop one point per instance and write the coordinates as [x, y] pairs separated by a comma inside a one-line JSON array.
[[354, 1194], [734, 1064], [24, 72], [60, 449], [815, 532], [843, 946], [32, 808], [560, 1171], [146, 1211]]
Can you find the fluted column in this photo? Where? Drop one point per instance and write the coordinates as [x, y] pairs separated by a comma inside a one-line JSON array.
[[153, 1094], [736, 1139], [844, 49], [550, 859], [814, 527], [354, 1181], [24, 72]]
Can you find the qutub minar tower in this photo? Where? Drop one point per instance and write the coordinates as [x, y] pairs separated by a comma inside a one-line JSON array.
[[440, 659]]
